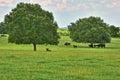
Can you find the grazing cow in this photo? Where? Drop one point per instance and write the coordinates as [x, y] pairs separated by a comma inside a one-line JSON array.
[[100, 45], [67, 43], [75, 46], [3, 35], [96, 45], [91, 45], [47, 49]]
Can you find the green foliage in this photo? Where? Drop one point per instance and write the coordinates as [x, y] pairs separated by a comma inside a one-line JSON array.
[[3, 29], [92, 30], [119, 34], [114, 31], [19, 62], [30, 24], [63, 32]]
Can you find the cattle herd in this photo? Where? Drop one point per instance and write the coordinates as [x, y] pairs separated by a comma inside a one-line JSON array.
[[100, 45]]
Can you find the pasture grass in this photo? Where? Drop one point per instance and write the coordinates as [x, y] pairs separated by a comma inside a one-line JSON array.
[[20, 62]]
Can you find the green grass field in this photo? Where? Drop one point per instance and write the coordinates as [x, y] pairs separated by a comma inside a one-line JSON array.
[[20, 62]]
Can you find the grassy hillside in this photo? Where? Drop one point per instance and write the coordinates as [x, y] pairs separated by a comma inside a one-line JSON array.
[[20, 62]]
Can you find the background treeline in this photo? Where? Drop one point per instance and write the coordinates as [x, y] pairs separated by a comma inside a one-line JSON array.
[[114, 31]]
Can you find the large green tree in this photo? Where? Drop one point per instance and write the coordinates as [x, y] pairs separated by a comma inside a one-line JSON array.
[[91, 30], [30, 24]]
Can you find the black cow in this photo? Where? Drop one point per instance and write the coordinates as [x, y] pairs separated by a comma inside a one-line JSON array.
[[3, 35], [75, 46], [100, 45], [91, 45], [47, 49], [67, 43]]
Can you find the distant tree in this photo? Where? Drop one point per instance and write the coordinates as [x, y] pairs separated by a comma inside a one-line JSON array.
[[63, 32], [2, 28], [114, 31], [91, 30], [30, 24]]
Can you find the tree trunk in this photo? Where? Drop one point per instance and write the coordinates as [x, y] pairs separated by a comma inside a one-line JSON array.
[[34, 45]]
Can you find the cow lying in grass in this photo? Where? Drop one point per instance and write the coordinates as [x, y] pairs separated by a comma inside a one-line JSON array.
[[47, 49]]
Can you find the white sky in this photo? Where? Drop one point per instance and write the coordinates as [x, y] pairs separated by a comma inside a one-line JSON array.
[[67, 11]]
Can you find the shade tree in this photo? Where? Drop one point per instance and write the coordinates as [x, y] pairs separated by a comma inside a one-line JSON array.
[[30, 24], [90, 30]]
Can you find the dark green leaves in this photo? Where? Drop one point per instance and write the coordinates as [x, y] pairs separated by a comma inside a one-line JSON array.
[[30, 24], [92, 30]]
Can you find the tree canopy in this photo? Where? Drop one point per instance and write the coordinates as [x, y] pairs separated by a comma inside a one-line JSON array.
[[114, 31], [2, 28], [91, 30], [30, 24]]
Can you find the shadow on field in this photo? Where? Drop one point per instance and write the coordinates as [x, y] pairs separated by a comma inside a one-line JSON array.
[[90, 60], [112, 47], [58, 61], [11, 56], [40, 78]]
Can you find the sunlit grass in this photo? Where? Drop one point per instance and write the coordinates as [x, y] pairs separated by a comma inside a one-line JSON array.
[[20, 62]]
